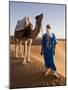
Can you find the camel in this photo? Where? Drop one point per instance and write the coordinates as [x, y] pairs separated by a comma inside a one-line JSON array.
[[27, 36]]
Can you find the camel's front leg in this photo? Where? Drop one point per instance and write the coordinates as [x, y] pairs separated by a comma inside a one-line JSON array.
[[29, 49], [25, 52], [21, 49]]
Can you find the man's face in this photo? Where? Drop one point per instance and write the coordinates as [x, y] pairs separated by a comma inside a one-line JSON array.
[[49, 30]]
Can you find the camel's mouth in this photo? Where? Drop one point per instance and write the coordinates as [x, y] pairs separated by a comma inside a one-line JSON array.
[[39, 19], [39, 16]]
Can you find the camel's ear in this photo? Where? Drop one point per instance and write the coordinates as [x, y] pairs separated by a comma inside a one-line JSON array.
[[42, 14]]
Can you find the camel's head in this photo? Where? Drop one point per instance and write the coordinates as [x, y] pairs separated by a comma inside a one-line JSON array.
[[39, 18]]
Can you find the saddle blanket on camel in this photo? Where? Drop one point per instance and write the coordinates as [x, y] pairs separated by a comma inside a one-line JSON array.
[[21, 24]]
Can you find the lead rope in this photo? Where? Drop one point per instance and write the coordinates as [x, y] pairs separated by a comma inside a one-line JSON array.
[[41, 31]]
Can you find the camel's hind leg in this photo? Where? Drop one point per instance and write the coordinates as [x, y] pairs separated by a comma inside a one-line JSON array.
[[16, 48], [21, 49]]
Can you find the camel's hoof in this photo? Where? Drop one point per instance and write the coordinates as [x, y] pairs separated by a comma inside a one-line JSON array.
[[29, 61], [16, 56], [24, 62]]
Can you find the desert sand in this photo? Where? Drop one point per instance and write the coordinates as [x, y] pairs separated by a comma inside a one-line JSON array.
[[32, 74]]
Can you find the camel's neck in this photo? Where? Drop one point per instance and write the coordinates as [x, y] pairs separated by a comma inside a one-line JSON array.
[[36, 31]]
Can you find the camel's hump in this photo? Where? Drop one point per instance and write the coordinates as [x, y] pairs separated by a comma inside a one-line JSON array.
[[21, 24]]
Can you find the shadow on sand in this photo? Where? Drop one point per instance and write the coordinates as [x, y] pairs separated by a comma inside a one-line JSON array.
[[31, 75]]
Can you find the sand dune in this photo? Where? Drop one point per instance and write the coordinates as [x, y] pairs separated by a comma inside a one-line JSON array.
[[32, 74], [59, 56]]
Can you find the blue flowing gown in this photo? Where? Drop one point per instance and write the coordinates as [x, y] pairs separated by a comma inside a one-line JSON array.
[[48, 46]]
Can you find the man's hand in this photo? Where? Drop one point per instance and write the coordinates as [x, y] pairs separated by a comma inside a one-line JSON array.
[[41, 53]]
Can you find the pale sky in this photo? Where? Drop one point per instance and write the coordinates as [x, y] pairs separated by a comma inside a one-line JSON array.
[[53, 14]]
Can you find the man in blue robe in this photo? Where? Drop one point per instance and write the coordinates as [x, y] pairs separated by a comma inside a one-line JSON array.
[[48, 50]]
